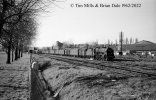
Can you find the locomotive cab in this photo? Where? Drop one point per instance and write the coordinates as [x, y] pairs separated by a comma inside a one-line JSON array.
[[110, 54], [104, 53]]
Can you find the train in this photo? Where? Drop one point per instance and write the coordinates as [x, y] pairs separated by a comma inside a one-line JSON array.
[[97, 53]]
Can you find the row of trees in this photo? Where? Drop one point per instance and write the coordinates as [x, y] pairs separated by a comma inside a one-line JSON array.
[[124, 41], [18, 25], [93, 44], [72, 45]]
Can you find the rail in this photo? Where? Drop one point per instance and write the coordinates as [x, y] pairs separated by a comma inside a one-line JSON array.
[[117, 68]]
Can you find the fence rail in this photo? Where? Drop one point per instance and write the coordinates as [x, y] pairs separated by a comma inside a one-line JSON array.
[[39, 88]]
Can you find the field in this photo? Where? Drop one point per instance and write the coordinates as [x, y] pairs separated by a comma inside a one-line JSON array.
[[76, 82]]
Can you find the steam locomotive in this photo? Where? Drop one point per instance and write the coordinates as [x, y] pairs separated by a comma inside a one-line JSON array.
[[98, 53]]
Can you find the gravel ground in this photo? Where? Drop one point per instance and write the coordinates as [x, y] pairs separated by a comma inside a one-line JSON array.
[[14, 83]]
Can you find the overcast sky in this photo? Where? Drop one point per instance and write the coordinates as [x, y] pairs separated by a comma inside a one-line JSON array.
[[86, 24]]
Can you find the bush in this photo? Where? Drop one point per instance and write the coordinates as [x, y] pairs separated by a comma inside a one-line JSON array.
[[44, 65]]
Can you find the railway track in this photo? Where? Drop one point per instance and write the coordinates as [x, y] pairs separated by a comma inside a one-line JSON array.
[[114, 67]]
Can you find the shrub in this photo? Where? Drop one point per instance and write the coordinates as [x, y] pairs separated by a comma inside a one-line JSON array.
[[44, 65]]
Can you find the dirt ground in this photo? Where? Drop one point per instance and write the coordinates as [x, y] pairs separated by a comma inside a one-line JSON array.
[[72, 82], [14, 81]]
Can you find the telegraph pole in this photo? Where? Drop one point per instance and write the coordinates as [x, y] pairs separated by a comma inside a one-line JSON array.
[[121, 42]]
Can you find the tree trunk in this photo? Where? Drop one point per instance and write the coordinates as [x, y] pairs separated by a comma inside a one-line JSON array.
[[1, 26], [22, 51], [19, 53], [12, 55], [2, 21], [16, 53], [9, 53]]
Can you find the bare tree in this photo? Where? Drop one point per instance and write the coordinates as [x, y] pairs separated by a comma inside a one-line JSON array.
[[108, 42], [7, 41], [86, 45], [116, 42], [28, 30], [127, 42], [15, 20], [136, 40], [18, 36], [111, 42], [59, 44], [95, 43], [131, 41]]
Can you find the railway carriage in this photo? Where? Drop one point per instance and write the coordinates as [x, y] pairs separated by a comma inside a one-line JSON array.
[[74, 52], [56, 51], [82, 52], [61, 52], [98, 53], [67, 52], [52, 51], [90, 53]]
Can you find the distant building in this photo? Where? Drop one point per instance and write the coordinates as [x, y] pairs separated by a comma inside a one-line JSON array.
[[142, 48]]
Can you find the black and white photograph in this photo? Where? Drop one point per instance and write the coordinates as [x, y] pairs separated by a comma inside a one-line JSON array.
[[77, 50]]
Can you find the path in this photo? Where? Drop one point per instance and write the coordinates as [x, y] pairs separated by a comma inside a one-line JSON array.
[[14, 78]]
